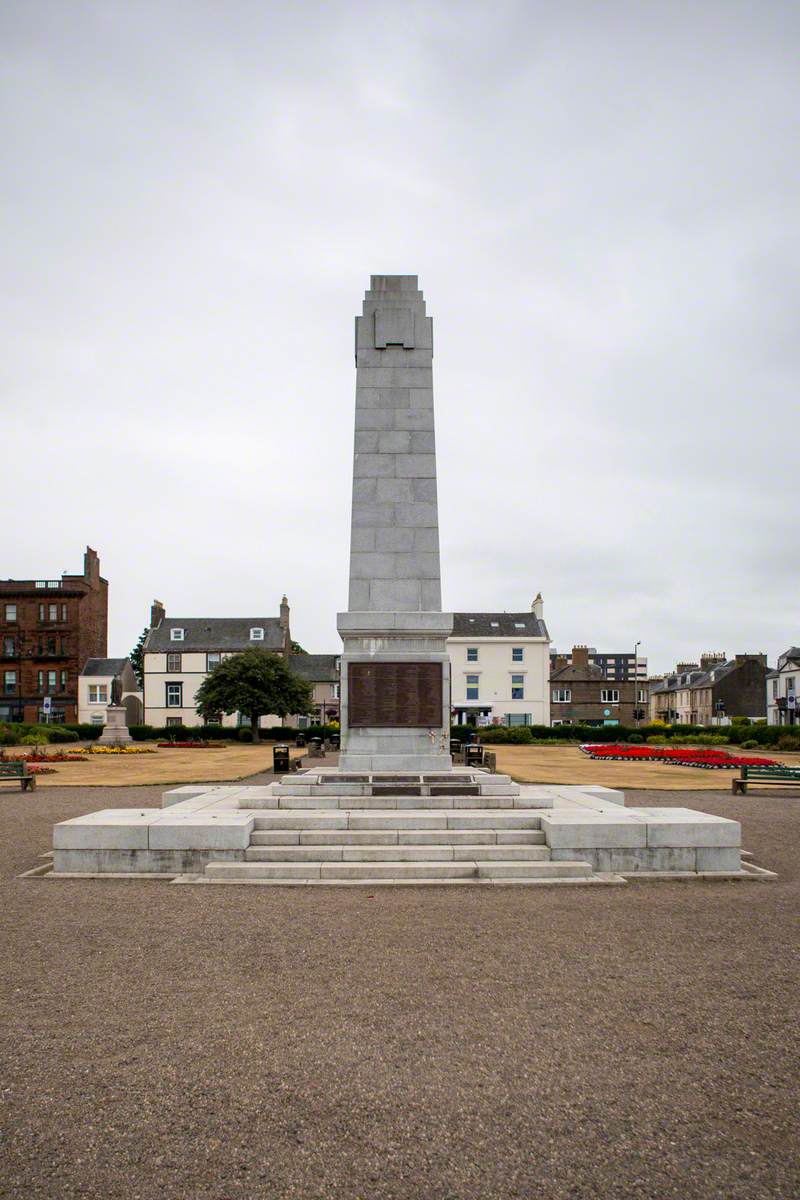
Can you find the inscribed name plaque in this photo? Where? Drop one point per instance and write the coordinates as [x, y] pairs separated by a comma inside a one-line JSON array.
[[392, 694]]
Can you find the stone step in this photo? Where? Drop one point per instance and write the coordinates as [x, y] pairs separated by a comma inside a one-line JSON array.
[[532, 870], [393, 837], [379, 820], [334, 871], [388, 802], [396, 853]]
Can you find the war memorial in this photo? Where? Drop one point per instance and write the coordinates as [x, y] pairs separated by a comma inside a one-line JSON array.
[[395, 809]]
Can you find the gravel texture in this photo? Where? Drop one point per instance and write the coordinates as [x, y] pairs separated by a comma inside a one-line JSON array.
[[173, 1042]]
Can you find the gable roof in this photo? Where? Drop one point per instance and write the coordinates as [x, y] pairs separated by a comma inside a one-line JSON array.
[[504, 625], [214, 633], [315, 668], [104, 666], [590, 671]]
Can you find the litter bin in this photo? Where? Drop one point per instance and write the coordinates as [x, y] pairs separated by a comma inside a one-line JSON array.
[[315, 749], [334, 741], [473, 755], [300, 740], [280, 759]]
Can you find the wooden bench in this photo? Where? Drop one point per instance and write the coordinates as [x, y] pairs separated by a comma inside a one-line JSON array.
[[17, 772], [785, 776]]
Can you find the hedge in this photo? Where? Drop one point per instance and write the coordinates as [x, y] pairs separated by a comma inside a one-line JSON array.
[[225, 733], [762, 735]]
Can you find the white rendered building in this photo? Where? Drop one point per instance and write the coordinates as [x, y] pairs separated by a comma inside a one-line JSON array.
[[783, 687], [180, 651], [94, 690], [500, 668]]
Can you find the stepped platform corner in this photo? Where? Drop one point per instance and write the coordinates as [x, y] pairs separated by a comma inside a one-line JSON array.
[[328, 827]]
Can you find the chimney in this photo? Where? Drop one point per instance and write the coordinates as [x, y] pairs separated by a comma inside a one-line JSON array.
[[580, 657], [284, 623], [157, 613], [91, 566], [682, 667], [537, 608], [712, 658]]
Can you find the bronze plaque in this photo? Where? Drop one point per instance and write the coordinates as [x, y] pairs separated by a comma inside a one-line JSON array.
[[394, 694]]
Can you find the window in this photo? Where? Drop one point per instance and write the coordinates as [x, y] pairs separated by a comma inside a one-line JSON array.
[[472, 687], [335, 691], [40, 681], [51, 645], [472, 653], [98, 693], [517, 653], [174, 721], [562, 695], [517, 687], [176, 635], [174, 695], [64, 679], [9, 647], [789, 684], [10, 683], [256, 634], [96, 719], [52, 612], [51, 680], [213, 660], [174, 660], [11, 612], [42, 612], [519, 624], [609, 696], [518, 718], [63, 612], [642, 695]]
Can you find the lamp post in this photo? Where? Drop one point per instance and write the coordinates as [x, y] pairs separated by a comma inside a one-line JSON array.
[[636, 680]]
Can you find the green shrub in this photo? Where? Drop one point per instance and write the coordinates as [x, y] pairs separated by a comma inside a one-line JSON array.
[[657, 741], [245, 734], [635, 737], [58, 733], [788, 741], [84, 732], [750, 744]]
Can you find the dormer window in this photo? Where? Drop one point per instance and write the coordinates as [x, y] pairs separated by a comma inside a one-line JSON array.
[[176, 635], [257, 634]]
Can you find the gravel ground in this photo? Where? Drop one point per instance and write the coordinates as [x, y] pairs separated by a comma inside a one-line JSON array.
[[175, 1042]]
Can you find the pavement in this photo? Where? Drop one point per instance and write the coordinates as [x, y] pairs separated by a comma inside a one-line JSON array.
[[417, 1042]]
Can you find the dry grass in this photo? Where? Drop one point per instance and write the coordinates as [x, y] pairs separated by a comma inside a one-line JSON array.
[[566, 764], [236, 761]]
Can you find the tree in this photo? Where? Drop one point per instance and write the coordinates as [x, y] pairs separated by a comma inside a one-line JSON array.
[[137, 657], [254, 683], [298, 649]]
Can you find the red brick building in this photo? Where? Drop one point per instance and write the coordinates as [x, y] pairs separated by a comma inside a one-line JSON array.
[[48, 629]]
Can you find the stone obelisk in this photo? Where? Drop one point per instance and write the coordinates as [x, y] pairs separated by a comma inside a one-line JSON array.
[[395, 691]]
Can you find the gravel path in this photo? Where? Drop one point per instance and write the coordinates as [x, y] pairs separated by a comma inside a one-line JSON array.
[[442, 1044]]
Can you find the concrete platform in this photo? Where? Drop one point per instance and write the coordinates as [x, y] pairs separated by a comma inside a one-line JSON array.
[[230, 832]]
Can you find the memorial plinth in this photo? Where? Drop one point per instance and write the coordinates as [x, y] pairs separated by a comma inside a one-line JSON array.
[[395, 690], [115, 732]]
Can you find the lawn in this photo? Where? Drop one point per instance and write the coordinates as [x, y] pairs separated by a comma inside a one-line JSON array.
[[235, 761]]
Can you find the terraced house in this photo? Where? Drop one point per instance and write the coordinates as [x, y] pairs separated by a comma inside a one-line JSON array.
[[180, 651], [712, 691]]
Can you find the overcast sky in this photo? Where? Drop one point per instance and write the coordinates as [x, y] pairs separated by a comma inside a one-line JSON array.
[[601, 203]]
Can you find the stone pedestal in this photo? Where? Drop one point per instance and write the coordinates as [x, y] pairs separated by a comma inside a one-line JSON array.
[[395, 688], [116, 727]]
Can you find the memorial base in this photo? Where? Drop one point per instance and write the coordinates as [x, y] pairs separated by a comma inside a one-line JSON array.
[[395, 701], [115, 732]]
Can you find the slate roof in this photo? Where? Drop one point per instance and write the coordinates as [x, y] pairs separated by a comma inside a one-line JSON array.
[[590, 671], [104, 666], [505, 625], [315, 668], [214, 633]]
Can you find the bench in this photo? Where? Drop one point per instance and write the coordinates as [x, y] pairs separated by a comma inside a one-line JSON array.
[[17, 772], [786, 776]]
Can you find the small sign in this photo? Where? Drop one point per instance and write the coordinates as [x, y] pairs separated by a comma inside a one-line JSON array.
[[791, 700], [47, 705]]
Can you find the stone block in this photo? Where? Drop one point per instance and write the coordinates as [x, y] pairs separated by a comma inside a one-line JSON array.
[[399, 820], [364, 539], [718, 858], [223, 831], [394, 489], [301, 820], [397, 540], [665, 859], [372, 417], [426, 540], [372, 466], [590, 830], [374, 515], [446, 837], [423, 442], [685, 827], [350, 837], [397, 870], [415, 419], [389, 593], [277, 837], [415, 466], [398, 853], [395, 441], [254, 870], [366, 489], [294, 854], [499, 819], [109, 829]]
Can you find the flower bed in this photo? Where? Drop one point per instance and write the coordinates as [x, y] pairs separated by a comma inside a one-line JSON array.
[[678, 756], [121, 750], [190, 746], [38, 756]]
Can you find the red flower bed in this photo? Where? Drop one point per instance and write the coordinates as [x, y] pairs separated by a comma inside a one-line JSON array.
[[679, 756]]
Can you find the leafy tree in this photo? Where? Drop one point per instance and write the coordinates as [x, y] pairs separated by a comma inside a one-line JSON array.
[[255, 683], [137, 657], [298, 649]]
